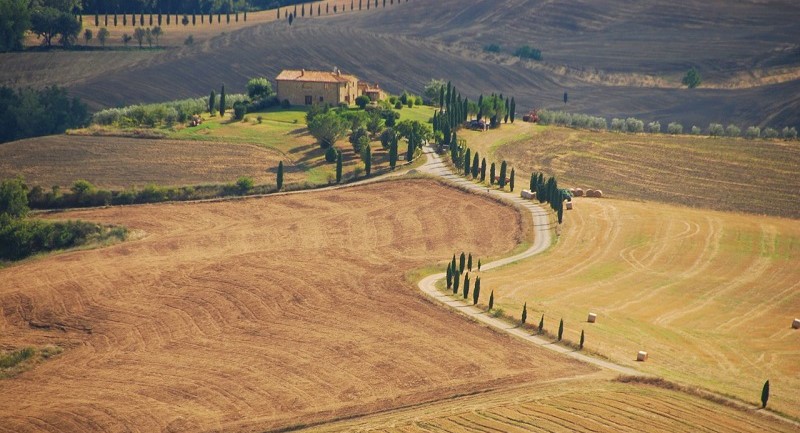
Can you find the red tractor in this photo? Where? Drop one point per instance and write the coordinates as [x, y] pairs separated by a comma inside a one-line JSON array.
[[532, 117]]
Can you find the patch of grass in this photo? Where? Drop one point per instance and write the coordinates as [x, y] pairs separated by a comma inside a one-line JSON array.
[[16, 361], [8, 360]]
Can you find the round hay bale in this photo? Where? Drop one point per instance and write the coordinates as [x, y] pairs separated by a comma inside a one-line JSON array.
[[578, 192], [589, 193], [598, 193], [796, 324], [572, 191], [641, 356], [592, 318]]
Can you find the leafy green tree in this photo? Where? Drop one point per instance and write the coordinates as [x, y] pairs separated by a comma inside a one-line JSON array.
[[328, 128], [491, 300], [524, 313], [362, 101], [139, 34], [476, 291], [102, 36], [15, 20], [212, 102], [502, 181], [49, 22], [157, 32], [338, 166], [461, 262], [511, 181], [280, 176], [560, 329], [222, 102], [13, 198], [580, 345], [692, 78], [259, 88], [432, 91], [87, 36], [331, 154], [765, 395]]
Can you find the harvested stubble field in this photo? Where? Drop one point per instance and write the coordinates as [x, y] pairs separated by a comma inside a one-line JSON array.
[[731, 174], [259, 314], [120, 163], [584, 405], [709, 295]]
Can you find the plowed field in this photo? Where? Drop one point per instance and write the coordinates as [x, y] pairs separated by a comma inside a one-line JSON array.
[[709, 295], [259, 314], [574, 406]]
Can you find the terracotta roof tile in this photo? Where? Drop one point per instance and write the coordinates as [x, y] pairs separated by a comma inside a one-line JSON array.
[[314, 76]]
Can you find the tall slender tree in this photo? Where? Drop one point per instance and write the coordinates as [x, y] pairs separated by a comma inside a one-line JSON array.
[[466, 285], [475, 166], [524, 313], [280, 176], [453, 263], [580, 345], [560, 329], [456, 280], [393, 152], [469, 262], [212, 102], [368, 160], [467, 158], [449, 277], [511, 180], [541, 324], [476, 291], [491, 300], [338, 166], [765, 395], [503, 171], [491, 175], [483, 170], [513, 109], [222, 101], [462, 262]]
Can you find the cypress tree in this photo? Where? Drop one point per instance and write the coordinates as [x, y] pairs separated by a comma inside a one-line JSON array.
[[466, 286], [476, 291], [245, 15], [483, 169], [765, 394], [491, 175], [533, 182], [491, 300], [222, 102], [461, 262], [513, 109], [368, 160], [580, 345], [412, 144], [280, 176], [279, 13], [502, 181], [449, 278], [511, 180], [456, 279], [479, 265], [508, 108], [338, 166], [212, 102], [560, 329], [541, 324], [96, 20], [453, 264], [524, 313], [467, 158], [393, 153], [469, 262], [475, 166]]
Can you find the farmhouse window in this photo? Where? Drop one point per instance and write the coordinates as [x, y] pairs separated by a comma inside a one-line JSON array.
[[321, 99], [309, 99]]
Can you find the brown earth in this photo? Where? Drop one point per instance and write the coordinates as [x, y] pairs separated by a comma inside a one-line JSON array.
[[259, 314], [120, 163]]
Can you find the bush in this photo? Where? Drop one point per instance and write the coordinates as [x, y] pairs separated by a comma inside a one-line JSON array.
[[357, 140], [715, 130], [418, 100], [654, 127], [696, 130], [239, 110], [526, 52], [634, 125], [153, 115], [398, 105], [617, 124], [285, 104], [675, 128], [244, 184], [492, 48], [258, 88], [789, 133], [330, 154], [753, 132]]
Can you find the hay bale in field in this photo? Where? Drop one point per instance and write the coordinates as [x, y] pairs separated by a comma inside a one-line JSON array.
[[592, 318], [641, 356], [589, 193], [569, 205], [796, 324], [598, 193], [578, 192], [527, 194]]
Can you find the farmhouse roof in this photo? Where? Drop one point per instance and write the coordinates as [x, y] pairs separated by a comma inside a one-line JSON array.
[[314, 76]]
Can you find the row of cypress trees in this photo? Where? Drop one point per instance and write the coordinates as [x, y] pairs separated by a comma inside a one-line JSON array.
[[362, 4], [167, 19], [549, 192], [454, 277]]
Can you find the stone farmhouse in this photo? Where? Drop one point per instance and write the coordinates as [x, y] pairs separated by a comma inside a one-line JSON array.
[[302, 87]]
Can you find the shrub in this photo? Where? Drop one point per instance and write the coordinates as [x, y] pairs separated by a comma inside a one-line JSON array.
[[258, 88], [617, 124], [418, 100], [715, 130], [733, 131], [675, 128], [789, 133], [362, 101], [16, 357], [398, 105], [752, 132], [492, 48], [245, 184], [696, 130], [330, 154], [654, 127], [239, 110], [526, 52], [285, 104], [634, 125]]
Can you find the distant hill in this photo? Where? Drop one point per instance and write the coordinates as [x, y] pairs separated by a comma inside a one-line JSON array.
[[615, 59]]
